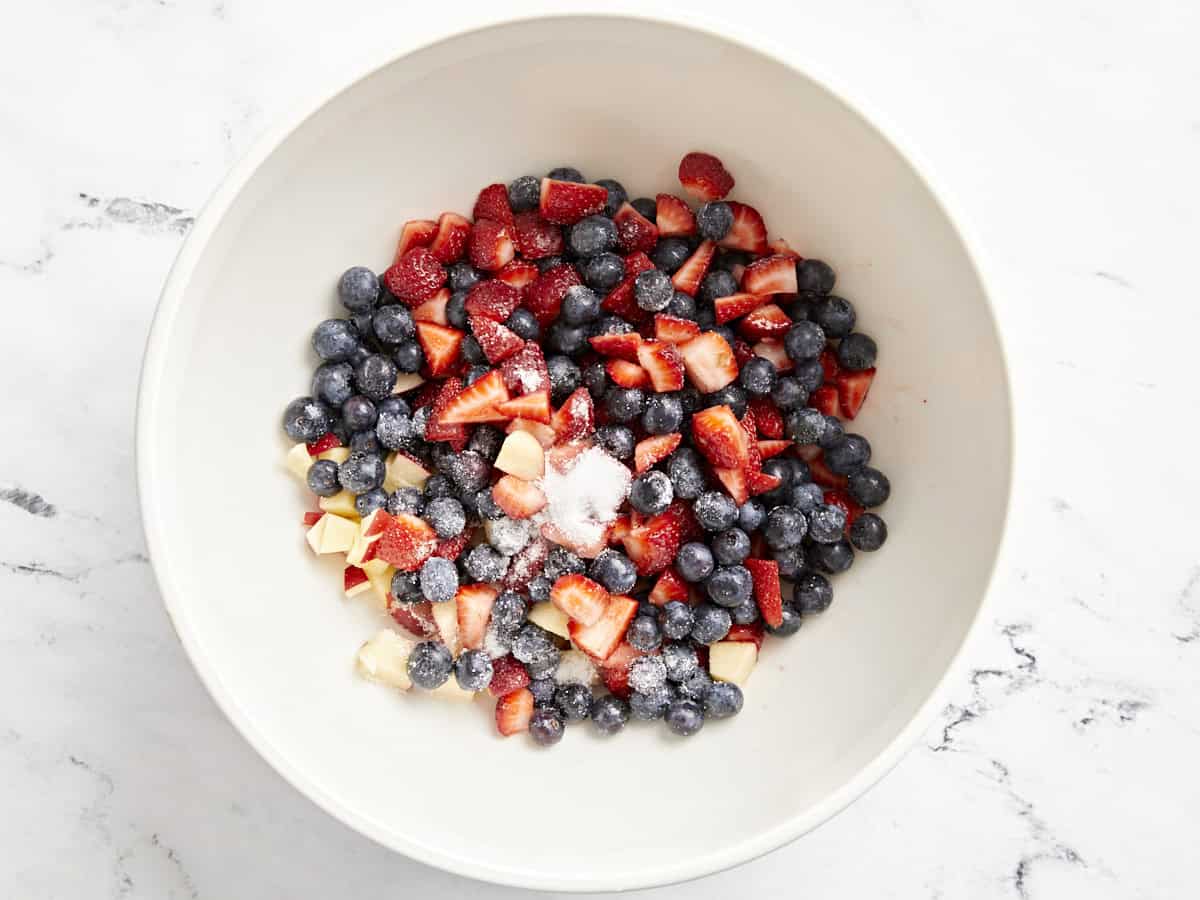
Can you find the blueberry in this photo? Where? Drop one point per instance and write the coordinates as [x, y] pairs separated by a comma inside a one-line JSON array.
[[406, 500], [814, 275], [726, 332], [509, 611], [546, 666], [791, 561], [663, 415], [483, 563], [393, 323], [469, 471], [807, 497], [647, 207], [676, 620], [446, 515], [396, 431], [790, 624], [728, 260], [670, 254], [714, 219], [539, 589], [546, 726], [812, 593], [438, 486], [616, 440], [602, 271], [429, 665], [785, 528], [804, 340], [362, 472], [462, 277], [729, 586], [408, 356], [809, 374], [690, 398], [856, 352], [724, 699], [684, 717], [362, 322], [612, 325], [507, 535], [835, 315], [564, 173], [694, 561], [609, 714], [716, 284], [543, 690], [473, 670], [575, 701], [652, 290], [682, 306], [758, 376], [831, 558], [644, 633], [751, 515], [359, 413], [532, 644], [624, 404], [486, 506], [781, 468], [799, 310], [616, 195], [474, 373], [715, 511], [375, 376], [524, 325], [595, 379], [525, 193], [614, 570], [732, 395], [868, 532], [833, 433], [335, 340], [744, 613], [564, 375], [365, 504], [469, 503], [406, 587], [696, 687], [333, 383], [562, 561], [323, 478], [470, 350], [848, 455], [592, 236], [306, 420], [651, 705], [804, 426], [420, 420], [731, 547], [712, 623], [686, 474], [548, 262], [358, 289], [580, 304], [651, 492], [680, 660], [869, 487], [486, 441]]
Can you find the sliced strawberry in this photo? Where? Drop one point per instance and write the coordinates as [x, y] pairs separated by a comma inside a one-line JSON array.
[[780, 247], [823, 475], [668, 587], [741, 351], [518, 274], [416, 276], [433, 309], [426, 394], [514, 712], [440, 344], [825, 398], [674, 217], [746, 634], [847, 504], [748, 232], [327, 441], [708, 361], [575, 418], [627, 374], [704, 177], [768, 321], [767, 592], [562, 457], [634, 231], [535, 407], [619, 346], [491, 245], [767, 449], [452, 548], [352, 577], [525, 371], [771, 349], [407, 542], [718, 435], [474, 602], [768, 420], [526, 564], [451, 238], [477, 402], [674, 329], [620, 300], [580, 598], [770, 275], [543, 433], [566, 202], [663, 364], [518, 498], [435, 428], [544, 297], [614, 671], [617, 530], [417, 233], [731, 306], [498, 343], [311, 518], [536, 238], [680, 512], [600, 639], [753, 460], [492, 203], [654, 449], [808, 452], [735, 483], [508, 675], [415, 618], [852, 388], [588, 548], [688, 277], [653, 544], [829, 364], [493, 300]]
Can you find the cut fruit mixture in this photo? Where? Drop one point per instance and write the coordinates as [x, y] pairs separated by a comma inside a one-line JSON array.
[[588, 453]]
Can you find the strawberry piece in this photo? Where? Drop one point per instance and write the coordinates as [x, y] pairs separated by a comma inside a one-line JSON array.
[[767, 321], [543, 433], [770, 275], [741, 351], [808, 452], [829, 365], [327, 441], [768, 420], [452, 548], [544, 297], [617, 530], [451, 238], [525, 371], [654, 449], [565, 202], [753, 460], [627, 374], [823, 475], [674, 329], [491, 245], [518, 498], [580, 598], [536, 238], [581, 548], [535, 407], [562, 457], [600, 639], [653, 544], [704, 177], [681, 514], [614, 671], [767, 449], [474, 602], [407, 542], [668, 587], [852, 388], [825, 398], [477, 403], [518, 274], [634, 231], [771, 349], [620, 346], [492, 203], [433, 309], [435, 428], [514, 712], [746, 634], [620, 300], [526, 564], [417, 233], [663, 364], [498, 343], [575, 418], [440, 344], [508, 675], [416, 276], [767, 592], [748, 231], [688, 277], [311, 518], [709, 362], [426, 394], [735, 483], [780, 247], [493, 300], [718, 435], [730, 307], [843, 501], [415, 618], [674, 218], [352, 577]]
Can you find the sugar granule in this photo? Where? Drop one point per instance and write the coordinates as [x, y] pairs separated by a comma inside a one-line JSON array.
[[583, 500], [575, 668]]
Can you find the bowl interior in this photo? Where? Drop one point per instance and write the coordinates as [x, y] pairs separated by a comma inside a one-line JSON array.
[[263, 619]]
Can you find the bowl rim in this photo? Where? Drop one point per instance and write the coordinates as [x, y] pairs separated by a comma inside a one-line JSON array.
[[155, 357]]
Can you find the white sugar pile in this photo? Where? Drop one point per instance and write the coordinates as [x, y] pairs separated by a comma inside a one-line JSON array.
[[575, 668], [583, 500]]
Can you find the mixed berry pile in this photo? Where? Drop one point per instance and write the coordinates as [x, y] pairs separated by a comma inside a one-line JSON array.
[[510, 357]]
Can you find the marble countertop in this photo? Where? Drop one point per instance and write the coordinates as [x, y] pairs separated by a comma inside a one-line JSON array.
[[1064, 764]]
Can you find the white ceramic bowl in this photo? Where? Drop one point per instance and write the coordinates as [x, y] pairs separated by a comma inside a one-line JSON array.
[[827, 712]]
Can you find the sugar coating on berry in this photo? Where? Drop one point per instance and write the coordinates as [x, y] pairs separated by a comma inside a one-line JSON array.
[[508, 535], [646, 674], [575, 667]]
